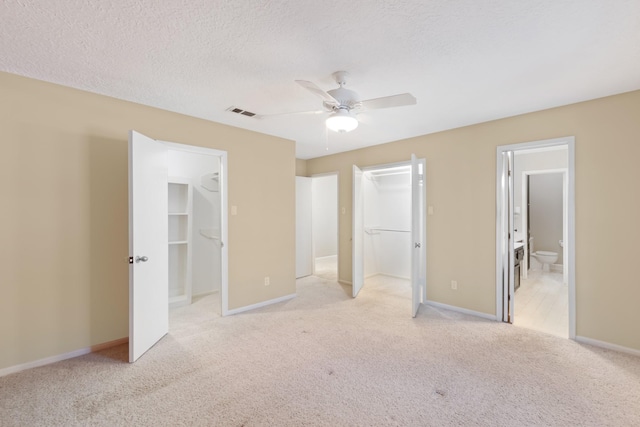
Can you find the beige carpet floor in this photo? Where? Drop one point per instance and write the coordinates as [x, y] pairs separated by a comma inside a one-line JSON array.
[[325, 359], [327, 267]]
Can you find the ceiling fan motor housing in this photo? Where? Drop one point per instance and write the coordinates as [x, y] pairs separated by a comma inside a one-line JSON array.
[[347, 99]]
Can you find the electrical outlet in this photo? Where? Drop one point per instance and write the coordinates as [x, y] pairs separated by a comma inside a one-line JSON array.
[[267, 281], [454, 285]]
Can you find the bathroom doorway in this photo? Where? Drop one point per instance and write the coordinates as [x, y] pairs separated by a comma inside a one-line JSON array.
[[541, 301], [535, 183]]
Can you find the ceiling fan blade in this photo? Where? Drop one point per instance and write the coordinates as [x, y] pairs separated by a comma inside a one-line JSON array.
[[389, 101], [312, 87]]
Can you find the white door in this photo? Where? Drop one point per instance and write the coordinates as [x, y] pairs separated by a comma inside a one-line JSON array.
[[357, 232], [418, 233], [148, 248], [304, 244], [506, 243]]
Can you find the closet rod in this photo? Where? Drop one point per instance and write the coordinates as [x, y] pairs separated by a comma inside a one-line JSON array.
[[377, 174]]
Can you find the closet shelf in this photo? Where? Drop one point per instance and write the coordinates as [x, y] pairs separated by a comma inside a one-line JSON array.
[[211, 181], [376, 230]]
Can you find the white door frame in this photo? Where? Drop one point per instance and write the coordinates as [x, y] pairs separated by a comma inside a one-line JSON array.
[[357, 232], [224, 232], [502, 233]]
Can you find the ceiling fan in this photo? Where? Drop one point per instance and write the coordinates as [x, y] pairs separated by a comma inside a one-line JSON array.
[[342, 103]]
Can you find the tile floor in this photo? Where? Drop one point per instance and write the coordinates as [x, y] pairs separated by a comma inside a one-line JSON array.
[[542, 303]]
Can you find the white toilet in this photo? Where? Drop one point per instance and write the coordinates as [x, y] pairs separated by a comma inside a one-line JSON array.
[[546, 258]]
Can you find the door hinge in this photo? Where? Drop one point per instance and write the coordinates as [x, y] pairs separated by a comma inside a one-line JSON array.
[[130, 260]]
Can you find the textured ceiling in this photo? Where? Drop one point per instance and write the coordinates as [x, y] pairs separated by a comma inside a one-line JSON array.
[[466, 61]]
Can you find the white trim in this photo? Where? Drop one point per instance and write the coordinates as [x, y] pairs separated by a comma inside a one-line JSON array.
[[260, 304], [570, 262], [60, 357], [387, 165], [461, 310], [388, 275], [607, 345], [320, 175], [204, 294]]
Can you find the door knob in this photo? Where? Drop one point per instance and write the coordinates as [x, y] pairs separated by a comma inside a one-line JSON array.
[[142, 258]]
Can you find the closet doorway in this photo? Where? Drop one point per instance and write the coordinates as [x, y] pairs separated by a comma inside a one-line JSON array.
[[194, 214], [161, 233], [389, 230]]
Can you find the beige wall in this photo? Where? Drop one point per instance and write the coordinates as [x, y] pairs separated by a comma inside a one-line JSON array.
[[461, 174], [301, 167], [64, 221]]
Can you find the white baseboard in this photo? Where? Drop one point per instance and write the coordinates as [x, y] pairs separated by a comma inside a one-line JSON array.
[[258, 305], [386, 275], [461, 310], [392, 276], [204, 294], [607, 345], [61, 357]]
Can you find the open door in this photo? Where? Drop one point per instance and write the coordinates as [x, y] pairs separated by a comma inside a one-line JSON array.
[[418, 235], [506, 244], [148, 249], [357, 232]]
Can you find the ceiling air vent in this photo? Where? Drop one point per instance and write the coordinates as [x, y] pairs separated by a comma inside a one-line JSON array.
[[241, 111]]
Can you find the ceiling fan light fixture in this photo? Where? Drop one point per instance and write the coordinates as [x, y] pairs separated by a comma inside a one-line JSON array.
[[342, 121]]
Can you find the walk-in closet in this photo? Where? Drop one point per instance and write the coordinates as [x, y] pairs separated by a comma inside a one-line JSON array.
[[387, 222], [389, 231], [194, 226]]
